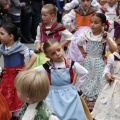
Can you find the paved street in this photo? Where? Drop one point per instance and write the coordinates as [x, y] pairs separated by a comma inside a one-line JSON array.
[[32, 46]]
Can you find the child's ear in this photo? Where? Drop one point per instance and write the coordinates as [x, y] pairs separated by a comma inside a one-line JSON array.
[[46, 55], [53, 16], [11, 36], [28, 99]]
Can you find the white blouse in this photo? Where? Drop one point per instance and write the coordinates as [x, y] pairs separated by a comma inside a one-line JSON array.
[[74, 3], [65, 33], [77, 68], [110, 60]]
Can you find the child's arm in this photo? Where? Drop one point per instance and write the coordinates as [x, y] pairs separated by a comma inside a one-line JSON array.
[[108, 67], [82, 51], [67, 37], [80, 40], [31, 61], [68, 18], [71, 5], [32, 57], [112, 47], [37, 41], [81, 75], [75, 3]]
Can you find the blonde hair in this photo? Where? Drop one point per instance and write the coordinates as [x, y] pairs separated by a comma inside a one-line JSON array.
[[52, 8], [32, 83]]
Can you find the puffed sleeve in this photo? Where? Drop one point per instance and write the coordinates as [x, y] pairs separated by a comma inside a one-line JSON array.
[[67, 35], [95, 4], [67, 18], [109, 64], [71, 5], [81, 75], [80, 40], [27, 52]]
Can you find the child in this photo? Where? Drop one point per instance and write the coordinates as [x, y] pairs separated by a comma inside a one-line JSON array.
[[50, 29], [107, 105], [75, 3], [97, 42], [63, 98], [82, 16], [117, 20], [13, 53], [32, 88], [4, 110]]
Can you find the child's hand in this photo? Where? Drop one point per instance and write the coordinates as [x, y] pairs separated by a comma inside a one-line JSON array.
[[73, 28], [104, 34], [109, 77], [38, 48]]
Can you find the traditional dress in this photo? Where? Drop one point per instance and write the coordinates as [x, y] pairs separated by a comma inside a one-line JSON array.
[[13, 62], [95, 49], [116, 26], [82, 19], [107, 106], [36, 111], [63, 98], [56, 31], [4, 110]]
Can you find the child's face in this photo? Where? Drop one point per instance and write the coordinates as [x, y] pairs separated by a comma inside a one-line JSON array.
[[22, 97], [85, 4], [118, 44], [46, 16], [111, 2], [55, 52], [96, 25], [4, 36]]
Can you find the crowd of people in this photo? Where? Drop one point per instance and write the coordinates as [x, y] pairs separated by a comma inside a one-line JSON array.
[[73, 73]]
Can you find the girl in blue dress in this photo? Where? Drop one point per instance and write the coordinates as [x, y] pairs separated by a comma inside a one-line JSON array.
[[63, 98], [13, 53]]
